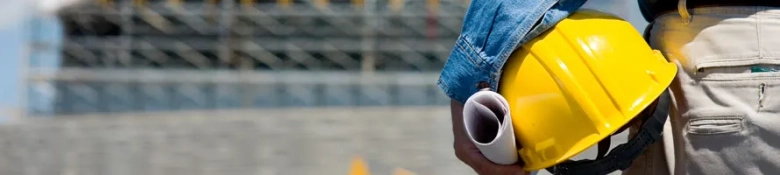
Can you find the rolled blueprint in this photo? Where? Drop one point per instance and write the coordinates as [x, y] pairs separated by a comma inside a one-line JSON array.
[[488, 123]]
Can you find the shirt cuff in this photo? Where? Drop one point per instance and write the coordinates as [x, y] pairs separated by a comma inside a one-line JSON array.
[[465, 72]]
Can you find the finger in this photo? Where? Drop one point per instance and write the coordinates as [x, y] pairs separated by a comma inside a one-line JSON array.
[[491, 168], [472, 156], [484, 166]]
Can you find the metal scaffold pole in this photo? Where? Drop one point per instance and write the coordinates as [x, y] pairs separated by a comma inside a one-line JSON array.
[[369, 40]]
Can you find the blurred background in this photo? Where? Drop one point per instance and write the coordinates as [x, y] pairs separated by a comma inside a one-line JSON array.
[[229, 86]]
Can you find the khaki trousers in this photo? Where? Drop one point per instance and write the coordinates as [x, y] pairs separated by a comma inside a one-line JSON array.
[[726, 114]]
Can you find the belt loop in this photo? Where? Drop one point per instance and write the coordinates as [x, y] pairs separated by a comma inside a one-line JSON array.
[[682, 8]]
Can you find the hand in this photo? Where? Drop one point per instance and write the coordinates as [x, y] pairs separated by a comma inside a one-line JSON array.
[[468, 153]]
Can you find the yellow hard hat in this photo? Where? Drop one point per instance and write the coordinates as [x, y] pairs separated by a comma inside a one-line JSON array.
[[579, 83]]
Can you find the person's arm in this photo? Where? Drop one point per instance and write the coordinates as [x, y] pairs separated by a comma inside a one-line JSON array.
[[492, 29], [468, 153]]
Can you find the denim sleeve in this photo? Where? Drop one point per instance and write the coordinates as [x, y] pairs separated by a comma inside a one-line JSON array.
[[492, 29]]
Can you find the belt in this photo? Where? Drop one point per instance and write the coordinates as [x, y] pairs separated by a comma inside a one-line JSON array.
[[660, 7]]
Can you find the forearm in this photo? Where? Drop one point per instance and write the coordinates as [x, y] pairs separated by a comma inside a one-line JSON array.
[[460, 139], [456, 108]]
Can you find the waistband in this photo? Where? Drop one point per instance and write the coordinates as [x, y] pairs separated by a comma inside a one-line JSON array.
[[734, 10], [715, 6]]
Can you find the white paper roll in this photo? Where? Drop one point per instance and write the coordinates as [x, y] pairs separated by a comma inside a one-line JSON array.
[[488, 123]]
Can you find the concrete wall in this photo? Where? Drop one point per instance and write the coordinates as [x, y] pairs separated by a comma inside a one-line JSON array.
[[300, 142], [258, 142]]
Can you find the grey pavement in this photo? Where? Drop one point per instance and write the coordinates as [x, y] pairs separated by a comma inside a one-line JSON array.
[[301, 141]]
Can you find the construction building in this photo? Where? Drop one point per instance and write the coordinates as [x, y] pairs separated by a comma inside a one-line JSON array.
[[153, 55]]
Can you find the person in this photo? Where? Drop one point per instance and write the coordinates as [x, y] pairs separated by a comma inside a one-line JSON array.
[[724, 115]]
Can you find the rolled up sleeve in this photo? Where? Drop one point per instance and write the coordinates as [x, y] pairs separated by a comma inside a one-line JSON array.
[[492, 30]]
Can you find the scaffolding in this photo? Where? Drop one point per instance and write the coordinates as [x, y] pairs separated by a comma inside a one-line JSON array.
[[146, 55]]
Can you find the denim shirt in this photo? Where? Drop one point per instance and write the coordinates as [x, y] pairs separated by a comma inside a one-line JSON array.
[[492, 30]]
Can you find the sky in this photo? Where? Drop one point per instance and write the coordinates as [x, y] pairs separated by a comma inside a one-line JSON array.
[[11, 31]]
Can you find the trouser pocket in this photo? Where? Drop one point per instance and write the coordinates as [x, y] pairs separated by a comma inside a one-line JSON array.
[[731, 123]]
